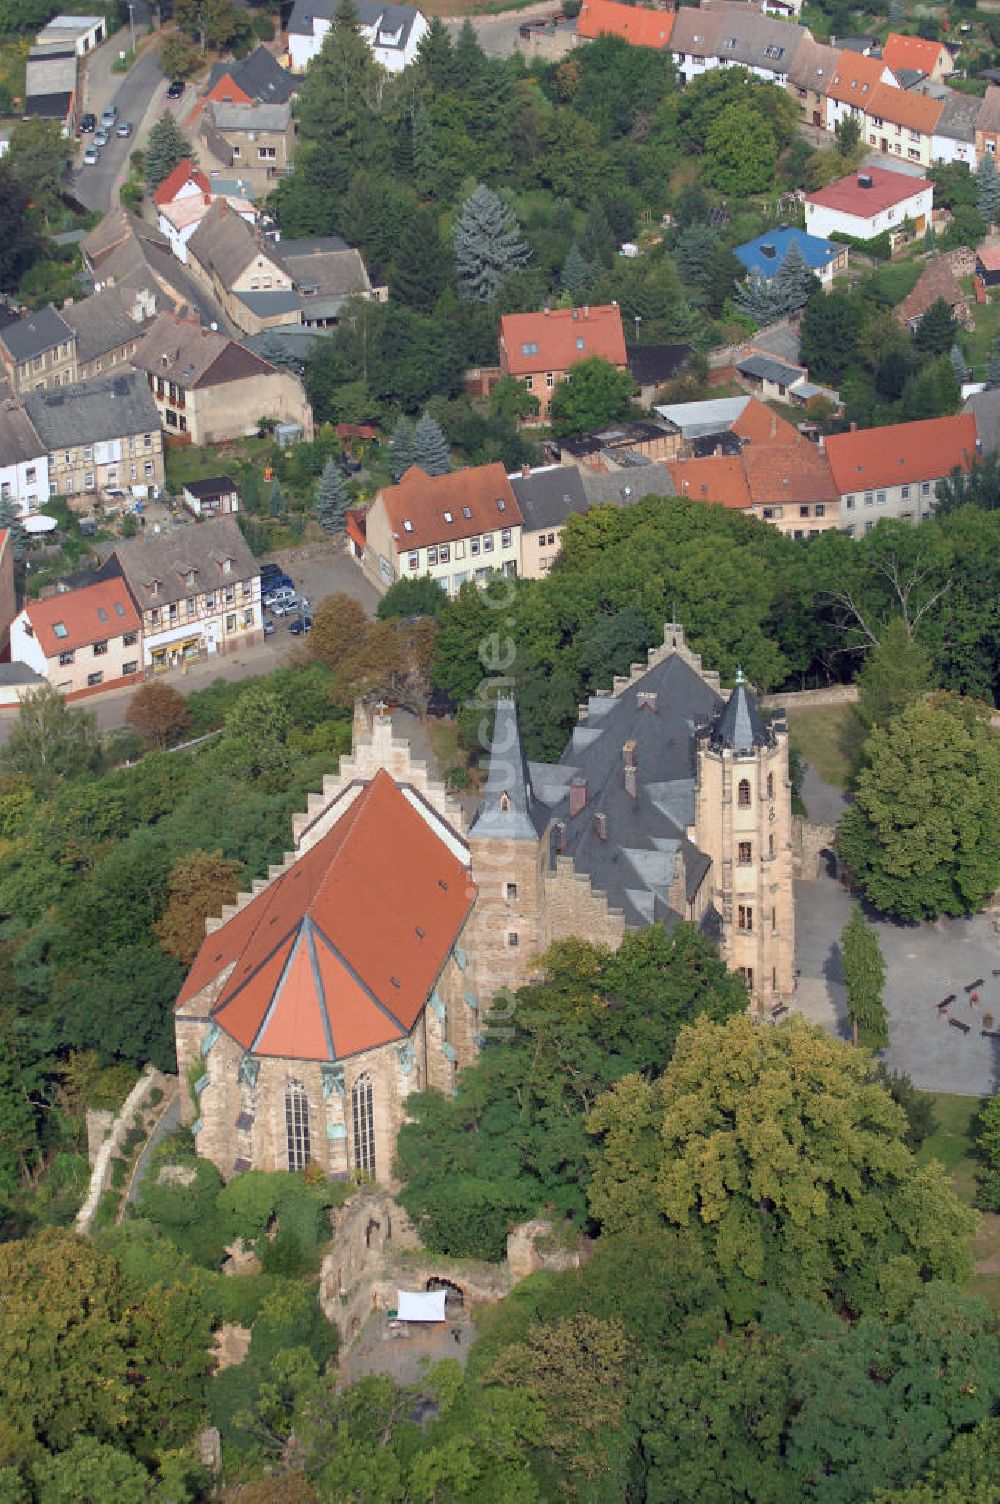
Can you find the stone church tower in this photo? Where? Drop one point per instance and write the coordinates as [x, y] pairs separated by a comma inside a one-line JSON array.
[[743, 823]]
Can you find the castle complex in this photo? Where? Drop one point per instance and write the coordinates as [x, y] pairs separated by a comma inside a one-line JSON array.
[[377, 958]]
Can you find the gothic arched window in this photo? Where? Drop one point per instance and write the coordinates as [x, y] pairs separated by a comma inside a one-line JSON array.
[[363, 1116], [770, 785], [297, 1125], [743, 795]]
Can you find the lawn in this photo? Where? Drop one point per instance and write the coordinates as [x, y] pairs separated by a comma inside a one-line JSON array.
[[952, 1145], [829, 737], [197, 462], [978, 346]]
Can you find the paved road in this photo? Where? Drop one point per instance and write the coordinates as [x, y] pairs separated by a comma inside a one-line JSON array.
[[498, 35], [168, 1122], [96, 187]]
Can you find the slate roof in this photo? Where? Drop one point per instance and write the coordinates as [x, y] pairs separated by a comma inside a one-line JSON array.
[[766, 368], [758, 41], [813, 65], [168, 559], [985, 408], [815, 252], [988, 118], [35, 333], [267, 303], [18, 440], [192, 356], [508, 809], [216, 485], [102, 323], [324, 270], [114, 229], [260, 75], [225, 244], [654, 365], [249, 117], [695, 32], [76, 618], [959, 113], [645, 836], [341, 952], [386, 17], [109, 407], [622, 488], [782, 341], [549, 495], [740, 728]]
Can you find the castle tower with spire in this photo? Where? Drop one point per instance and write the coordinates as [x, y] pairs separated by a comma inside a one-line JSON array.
[[743, 824]]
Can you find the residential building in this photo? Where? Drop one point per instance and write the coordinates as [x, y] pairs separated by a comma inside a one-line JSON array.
[[694, 41], [185, 181], [824, 258], [84, 33], [937, 283], [810, 74], [640, 27], [102, 435], [51, 84], [539, 348], [255, 140], [765, 45], [81, 639], [457, 527], [197, 590], [216, 496], [788, 484], [393, 32], [988, 264], [108, 327], [126, 252], [769, 378], [984, 406], [24, 461], [954, 138], [869, 203], [850, 89], [653, 366], [548, 497], [37, 351], [894, 471], [212, 388], [901, 123], [259, 76], [722, 425], [930, 59], [362, 968], [183, 200], [8, 595], [242, 271], [988, 123], [623, 488], [326, 271]]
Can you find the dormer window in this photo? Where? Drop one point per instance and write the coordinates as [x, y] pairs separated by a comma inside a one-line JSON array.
[[189, 577], [102, 615], [407, 525], [501, 504], [467, 513], [529, 347], [59, 629], [448, 517]]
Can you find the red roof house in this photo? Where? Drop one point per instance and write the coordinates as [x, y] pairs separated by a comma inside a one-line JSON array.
[[185, 181], [539, 348], [893, 471], [918, 54], [641, 27]]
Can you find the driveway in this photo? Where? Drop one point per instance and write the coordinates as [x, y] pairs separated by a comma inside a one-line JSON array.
[[498, 35], [97, 187]]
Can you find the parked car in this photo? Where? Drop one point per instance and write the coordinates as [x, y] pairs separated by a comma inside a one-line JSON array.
[[88, 123], [91, 156], [100, 138], [176, 89], [285, 607], [301, 625], [109, 116], [276, 581], [270, 628], [281, 595], [123, 129]]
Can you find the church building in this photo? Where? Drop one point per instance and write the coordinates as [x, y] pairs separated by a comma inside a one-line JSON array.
[[386, 948]]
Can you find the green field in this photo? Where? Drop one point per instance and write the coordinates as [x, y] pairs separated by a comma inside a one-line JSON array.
[[829, 737]]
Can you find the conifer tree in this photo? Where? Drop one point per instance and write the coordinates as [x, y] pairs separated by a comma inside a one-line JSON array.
[[470, 59], [401, 450], [276, 504], [755, 297], [993, 366], [167, 145], [575, 276], [793, 283], [419, 273], [430, 447], [988, 188], [331, 498], [488, 244], [864, 973], [597, 239], [958, 364]]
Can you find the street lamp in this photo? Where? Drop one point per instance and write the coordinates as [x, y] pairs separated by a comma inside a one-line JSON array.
[[131, 24], [638, 321]]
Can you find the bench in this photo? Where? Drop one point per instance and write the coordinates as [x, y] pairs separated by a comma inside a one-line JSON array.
[[943, 1007], [989, 1033], [956, 1023]]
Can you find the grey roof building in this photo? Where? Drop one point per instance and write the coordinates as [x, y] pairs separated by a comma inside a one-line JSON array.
[[549, 495], [509, 810], [260, 76], [93, 411], [250, 117], [622, 488], [18, 440], [104, 322], [35, 334], [160, 570], [985, 408]]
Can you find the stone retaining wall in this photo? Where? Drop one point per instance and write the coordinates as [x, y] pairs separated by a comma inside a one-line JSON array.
[[100, 1176], [808, 699], [809, 841]]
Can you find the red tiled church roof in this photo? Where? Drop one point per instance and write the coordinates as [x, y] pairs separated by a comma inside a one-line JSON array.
[[340, 953]]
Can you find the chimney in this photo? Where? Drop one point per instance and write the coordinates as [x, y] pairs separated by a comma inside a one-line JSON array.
[[601, 826], [631, 786], [646, 698], [560, 834], [630, 767], [854, 427], [577, 796], [586, 313], [525, 471]]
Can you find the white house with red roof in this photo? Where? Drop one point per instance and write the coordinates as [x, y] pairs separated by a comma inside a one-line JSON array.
[[540, 348], [867, 203], [182, 201], [81, 640], [455, 528], [894, 471]]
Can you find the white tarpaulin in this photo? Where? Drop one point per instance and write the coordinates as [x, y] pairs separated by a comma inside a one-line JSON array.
[[420, 1305]]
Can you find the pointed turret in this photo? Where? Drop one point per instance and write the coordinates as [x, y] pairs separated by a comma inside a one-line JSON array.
[[509, 810], [741, 728]]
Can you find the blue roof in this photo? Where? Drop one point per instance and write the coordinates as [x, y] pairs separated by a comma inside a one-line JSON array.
[[815, 252]]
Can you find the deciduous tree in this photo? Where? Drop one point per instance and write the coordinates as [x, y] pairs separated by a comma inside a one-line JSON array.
[[595, 394], [158, 714], [741, 152], [201, 884], [896, 672], [50, 741], [816, 1201]]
